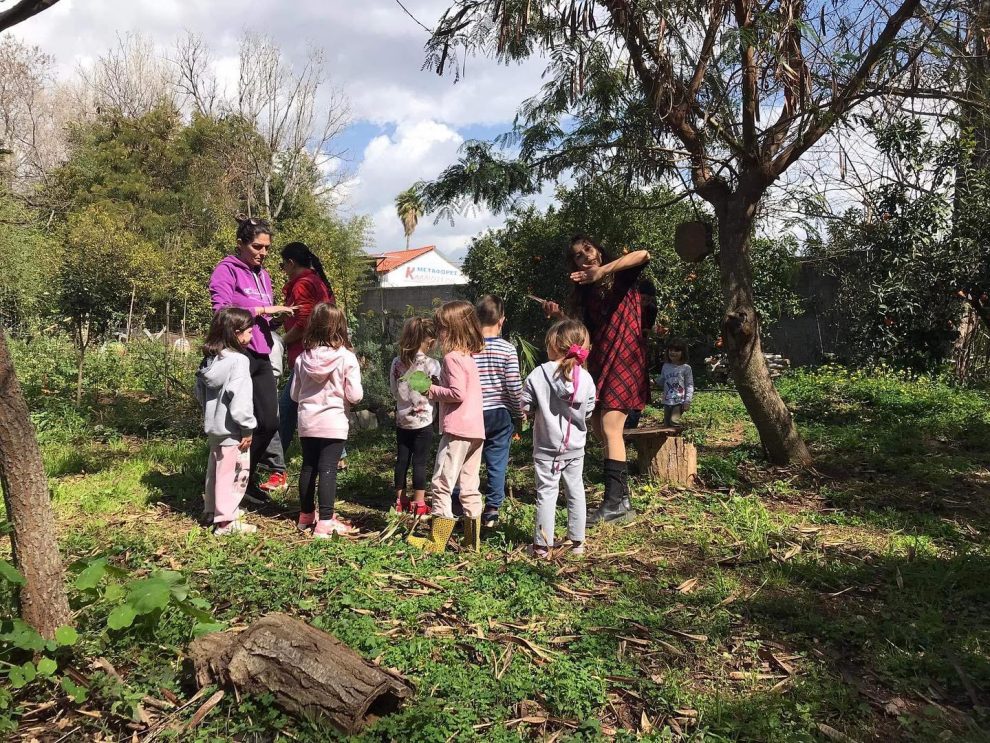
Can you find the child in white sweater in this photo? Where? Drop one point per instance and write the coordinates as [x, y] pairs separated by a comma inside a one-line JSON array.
[[413, 412], [677, 382]]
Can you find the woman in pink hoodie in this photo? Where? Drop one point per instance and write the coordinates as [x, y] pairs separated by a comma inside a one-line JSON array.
[[326, 381]]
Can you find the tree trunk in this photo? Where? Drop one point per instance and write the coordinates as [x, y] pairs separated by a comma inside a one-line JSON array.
[[306, 670], [44, 604], [741, 335], [80, 364], [130, 313], [664, 455]]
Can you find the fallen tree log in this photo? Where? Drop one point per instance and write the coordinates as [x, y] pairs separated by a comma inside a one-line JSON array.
[[307, 670]]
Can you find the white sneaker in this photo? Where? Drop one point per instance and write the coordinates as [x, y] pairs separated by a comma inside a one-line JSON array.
[[326, 529], [235, 527]]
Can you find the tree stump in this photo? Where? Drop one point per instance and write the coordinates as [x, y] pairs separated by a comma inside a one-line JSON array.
[[307, 670], [663, 454]]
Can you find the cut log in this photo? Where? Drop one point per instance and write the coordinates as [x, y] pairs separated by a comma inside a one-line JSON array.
[[664, 455], [308, 671]]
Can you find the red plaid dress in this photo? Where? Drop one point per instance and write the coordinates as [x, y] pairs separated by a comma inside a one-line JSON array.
[[618, 354]]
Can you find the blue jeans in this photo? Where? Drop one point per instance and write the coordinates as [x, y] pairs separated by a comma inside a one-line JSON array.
[[495, 455], [288, 415]]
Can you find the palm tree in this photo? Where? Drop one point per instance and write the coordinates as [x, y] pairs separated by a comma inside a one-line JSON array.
[[409, 207]]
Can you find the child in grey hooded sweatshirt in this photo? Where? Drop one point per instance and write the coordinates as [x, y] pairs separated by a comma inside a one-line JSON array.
[[559, 397], [224, 389]]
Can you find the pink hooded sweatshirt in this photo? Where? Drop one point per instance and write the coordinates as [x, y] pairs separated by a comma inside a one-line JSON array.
[[325, 382]]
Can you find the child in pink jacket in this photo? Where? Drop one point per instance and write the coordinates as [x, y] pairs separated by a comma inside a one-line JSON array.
[[462, 424], [326, 381]]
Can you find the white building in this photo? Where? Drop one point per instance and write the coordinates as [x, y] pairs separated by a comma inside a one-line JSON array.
[[419, 278]]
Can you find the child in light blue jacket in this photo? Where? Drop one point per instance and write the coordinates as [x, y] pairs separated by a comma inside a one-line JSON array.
[[559, 397], [224, 389]]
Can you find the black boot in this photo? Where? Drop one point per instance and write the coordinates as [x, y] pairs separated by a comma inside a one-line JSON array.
[[624, 481], [614, 507]]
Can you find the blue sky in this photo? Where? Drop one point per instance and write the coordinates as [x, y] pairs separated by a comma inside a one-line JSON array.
[[407, 123]]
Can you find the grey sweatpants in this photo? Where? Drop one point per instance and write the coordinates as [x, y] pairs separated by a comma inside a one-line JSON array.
[[549, 473]]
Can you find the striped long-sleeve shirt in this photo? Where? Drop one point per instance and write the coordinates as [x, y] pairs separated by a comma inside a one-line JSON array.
[[501, 385]]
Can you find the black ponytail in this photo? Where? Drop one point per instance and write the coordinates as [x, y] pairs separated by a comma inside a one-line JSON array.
[[301, 254]]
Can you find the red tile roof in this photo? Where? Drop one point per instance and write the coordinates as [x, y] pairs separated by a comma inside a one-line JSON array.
[[391, 261]]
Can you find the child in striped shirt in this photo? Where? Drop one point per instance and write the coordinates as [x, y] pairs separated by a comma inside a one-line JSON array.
[[501, 388]]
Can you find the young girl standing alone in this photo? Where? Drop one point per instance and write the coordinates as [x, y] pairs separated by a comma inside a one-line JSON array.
[[413, 412], [560, 398], [326, 381], [677, 382], [223, 388], [462, 424]]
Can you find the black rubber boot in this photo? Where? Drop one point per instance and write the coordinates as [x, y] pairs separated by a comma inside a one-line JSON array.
[[624, 482], [614, 508]]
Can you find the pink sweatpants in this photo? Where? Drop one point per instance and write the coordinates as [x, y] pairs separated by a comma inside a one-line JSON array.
[[226, 480], [458, 463]]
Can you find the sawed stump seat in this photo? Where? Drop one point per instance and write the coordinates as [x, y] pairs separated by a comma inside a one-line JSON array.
[[663, 454]]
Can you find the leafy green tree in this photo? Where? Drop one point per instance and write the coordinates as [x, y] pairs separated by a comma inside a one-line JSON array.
[[101, 261], [526, 256], [899, 268], [28, 260], [722, 97]]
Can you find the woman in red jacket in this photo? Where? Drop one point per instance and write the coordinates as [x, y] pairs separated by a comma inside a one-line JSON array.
[[307, 286]]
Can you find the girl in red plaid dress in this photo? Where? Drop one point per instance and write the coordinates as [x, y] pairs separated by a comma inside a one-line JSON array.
[[606, 298]]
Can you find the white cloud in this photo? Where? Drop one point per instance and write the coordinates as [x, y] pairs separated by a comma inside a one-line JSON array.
[[374, 55], [391, 163]]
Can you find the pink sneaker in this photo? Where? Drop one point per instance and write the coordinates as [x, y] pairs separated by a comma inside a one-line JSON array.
[[326, 529], [306, 521]]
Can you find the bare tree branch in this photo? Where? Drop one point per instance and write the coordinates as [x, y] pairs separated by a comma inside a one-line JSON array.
[[22, 11]]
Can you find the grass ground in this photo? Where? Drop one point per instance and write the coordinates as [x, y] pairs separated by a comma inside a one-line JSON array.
[[849, 601]]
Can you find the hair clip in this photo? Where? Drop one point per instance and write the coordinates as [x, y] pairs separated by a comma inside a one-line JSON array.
[[577, 352]]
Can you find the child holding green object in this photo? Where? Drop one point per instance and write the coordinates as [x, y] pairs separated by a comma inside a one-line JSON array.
[[409, 380]]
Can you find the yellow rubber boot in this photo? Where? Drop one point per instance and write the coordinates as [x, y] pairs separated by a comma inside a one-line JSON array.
[[472, 535], [440, 531]]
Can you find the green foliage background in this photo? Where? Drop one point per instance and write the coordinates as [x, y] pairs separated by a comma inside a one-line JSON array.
[[527, 256]]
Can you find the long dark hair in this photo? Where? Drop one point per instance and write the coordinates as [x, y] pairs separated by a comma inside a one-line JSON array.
[[227, 323], [580, 291], [302, 255], [249, 228], [327, 327]]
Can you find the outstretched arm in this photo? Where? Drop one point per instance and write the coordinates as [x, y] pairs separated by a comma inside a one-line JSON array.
[[634, 259]]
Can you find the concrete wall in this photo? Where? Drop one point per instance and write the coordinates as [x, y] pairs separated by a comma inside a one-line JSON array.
[[395, 301], [810, 338]]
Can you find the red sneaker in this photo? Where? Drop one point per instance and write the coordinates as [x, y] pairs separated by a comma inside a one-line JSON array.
[[276, 482]]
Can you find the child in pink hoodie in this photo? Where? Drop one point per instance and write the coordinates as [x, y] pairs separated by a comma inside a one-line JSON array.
[[462, 424], [326, 381]]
